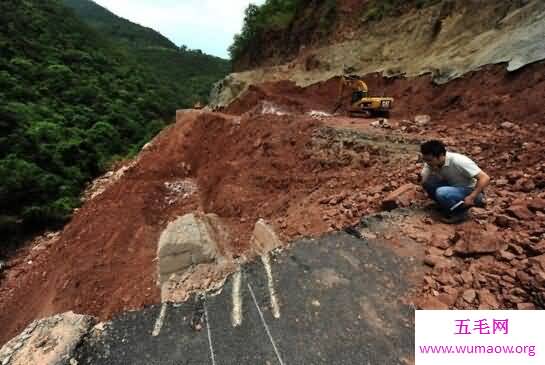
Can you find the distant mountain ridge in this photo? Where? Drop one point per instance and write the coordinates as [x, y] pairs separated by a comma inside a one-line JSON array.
[[189, 74], [71, 103], [117, 28], [76, 96]]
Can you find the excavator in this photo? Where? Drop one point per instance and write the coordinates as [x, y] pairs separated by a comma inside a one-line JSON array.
[[361, 104]]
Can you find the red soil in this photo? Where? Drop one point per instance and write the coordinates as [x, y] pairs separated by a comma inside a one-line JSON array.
[[291, 170]]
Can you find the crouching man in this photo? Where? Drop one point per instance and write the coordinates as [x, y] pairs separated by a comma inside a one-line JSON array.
[[450, 178]]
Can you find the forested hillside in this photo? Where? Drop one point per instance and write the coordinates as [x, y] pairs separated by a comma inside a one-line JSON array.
[[116, 28], [71, 102], [187, 74]]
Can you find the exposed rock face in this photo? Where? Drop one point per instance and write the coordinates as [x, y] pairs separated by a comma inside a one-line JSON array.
[[226, 90], [264, 238], [447, 40], [49, 341], [189, 240]]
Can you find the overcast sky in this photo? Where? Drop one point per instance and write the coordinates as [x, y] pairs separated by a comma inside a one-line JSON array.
[[208, 25]]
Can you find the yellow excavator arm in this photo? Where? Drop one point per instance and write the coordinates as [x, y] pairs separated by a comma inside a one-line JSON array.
[[355, 84]]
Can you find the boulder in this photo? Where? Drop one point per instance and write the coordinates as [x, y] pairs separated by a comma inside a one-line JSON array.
[[487, 300], [537, 247], [521, 212], [505, 221], [381, 123], [526, 306], [469, 295], [480, 213], [538, 261], [477, 239], [189, 240], [401, 197], [422, 120], [507, 256], [438, 261], [448, 298], [515, 175], [507, 125], [467, 277], [524, 278], [264, 238], [445, 278], [525, 185], [49, 341]]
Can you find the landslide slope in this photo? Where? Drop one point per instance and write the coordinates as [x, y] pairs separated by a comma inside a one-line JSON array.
[[272, 156], [279, 168]]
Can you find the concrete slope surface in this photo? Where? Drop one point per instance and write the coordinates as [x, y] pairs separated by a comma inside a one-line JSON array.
[[332, 300]]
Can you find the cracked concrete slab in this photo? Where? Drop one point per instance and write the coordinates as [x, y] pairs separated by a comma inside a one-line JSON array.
[[332, 300]]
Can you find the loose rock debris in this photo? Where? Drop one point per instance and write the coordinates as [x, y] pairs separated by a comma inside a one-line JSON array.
[[308, 176], [179, 190], [49, 341]]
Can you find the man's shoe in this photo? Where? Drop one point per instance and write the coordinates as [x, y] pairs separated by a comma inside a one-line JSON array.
[[455, 218]]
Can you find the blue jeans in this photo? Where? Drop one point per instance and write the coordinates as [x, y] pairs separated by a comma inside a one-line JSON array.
[[447, 196]]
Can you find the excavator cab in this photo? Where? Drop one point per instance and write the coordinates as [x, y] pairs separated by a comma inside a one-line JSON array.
[[358, 95]]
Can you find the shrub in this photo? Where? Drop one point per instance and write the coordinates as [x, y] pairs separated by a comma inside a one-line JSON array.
[[274, 15]]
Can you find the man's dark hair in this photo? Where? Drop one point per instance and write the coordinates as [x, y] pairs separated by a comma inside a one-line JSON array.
[[434, 148]]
